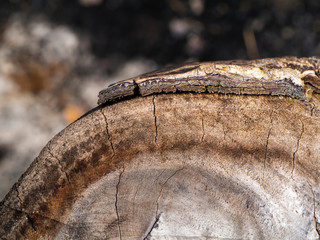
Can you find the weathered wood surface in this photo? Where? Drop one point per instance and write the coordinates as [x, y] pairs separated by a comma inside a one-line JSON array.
[[288, 76], [178, 166]]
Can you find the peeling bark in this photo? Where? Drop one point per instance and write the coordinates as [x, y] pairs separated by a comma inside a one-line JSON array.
[[292, 77]]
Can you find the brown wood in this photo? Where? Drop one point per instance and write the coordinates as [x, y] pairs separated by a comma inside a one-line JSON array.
[[289, 76], [176, 166]]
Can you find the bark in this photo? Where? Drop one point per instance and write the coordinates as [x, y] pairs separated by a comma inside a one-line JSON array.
[[176, 166]]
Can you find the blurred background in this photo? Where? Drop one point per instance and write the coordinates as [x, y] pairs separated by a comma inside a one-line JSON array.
[[56, 55]]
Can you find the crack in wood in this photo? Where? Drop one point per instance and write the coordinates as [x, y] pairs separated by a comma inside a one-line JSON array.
[[61, 168], [108, 132], [297, 148], [38, 214], [203, 131], [157, 215], [267, 143], [32, 223], [154, 225], [116, 204], [18, 195], [155, 119], [316, 223]]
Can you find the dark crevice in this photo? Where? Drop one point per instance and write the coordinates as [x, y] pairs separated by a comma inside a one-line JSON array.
[[266, 152], [18, 194], [32, 223], [135, 195], [116, 204], [157, 215], [108, 133], [61, 168], [267, 143], [316, 223], [312, 110], [154, 225], [297, 148], [224, 132], [159, 175], [37, 214], [155, 119], [203, 132], [182, 69], [136, 90]]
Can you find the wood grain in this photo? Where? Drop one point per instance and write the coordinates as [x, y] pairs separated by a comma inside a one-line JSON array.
[[176, 166]]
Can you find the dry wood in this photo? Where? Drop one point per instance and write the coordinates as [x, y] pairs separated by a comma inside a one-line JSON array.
[[288, 76], [182, 165]]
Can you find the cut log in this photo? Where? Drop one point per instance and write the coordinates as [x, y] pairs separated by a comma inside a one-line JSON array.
[[160, 159]]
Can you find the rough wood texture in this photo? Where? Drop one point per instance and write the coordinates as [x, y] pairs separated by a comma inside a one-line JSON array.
[[288, 76], [177, 166]]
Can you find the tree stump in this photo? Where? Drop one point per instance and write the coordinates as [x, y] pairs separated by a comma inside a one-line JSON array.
[[221, 150]]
